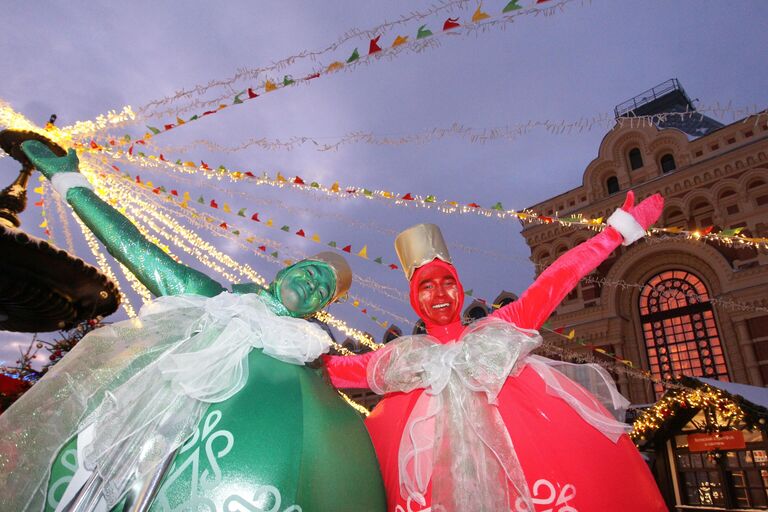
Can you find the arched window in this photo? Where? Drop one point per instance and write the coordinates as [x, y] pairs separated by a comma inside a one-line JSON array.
[[612, 185], [419, 327], [635, 159], [475, 311], [392, 333], [667, 163], [681, 336]]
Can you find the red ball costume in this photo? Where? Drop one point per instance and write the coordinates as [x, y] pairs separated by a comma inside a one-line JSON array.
[[568, 464]]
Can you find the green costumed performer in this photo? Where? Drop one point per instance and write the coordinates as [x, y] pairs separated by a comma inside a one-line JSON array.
[[174, 409]]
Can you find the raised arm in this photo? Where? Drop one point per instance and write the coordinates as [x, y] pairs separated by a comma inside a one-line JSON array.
[[154, 268], [535, 305]]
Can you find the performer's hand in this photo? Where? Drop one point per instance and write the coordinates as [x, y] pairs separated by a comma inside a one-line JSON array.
[[647, 212], [46, 161], [633, 226]]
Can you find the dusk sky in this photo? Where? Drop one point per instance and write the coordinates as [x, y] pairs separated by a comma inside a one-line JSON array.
[[82, 59]]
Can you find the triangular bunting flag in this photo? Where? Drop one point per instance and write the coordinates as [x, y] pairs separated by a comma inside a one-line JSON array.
[[300, 232], [393, 266], [274, 254], [352, 58], [423, 32], [237, 98], [347, 248], [363, 252], [468, 292], [214, 204], [334, 66], [285, 228], [511, 6], [269, 86], [241, 212], [287, 80], [374, 46], [379, 260], [332, 244], [255, 217], [269, 223], [316, 238], [451, 23], [154, 130], [479, 15], [226, 208], [400, 40], [251, 94]]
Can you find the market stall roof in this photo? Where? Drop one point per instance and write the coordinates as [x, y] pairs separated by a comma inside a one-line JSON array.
[[756, 395], [669, 415]]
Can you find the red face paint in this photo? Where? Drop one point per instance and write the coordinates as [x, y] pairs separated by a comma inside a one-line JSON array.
[[436, 293]]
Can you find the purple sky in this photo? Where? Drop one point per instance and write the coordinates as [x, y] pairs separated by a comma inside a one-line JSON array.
[[80, 59]]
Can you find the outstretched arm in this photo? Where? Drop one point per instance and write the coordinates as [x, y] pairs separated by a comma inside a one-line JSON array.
[[535, 305], [154, 268], [348, 371]]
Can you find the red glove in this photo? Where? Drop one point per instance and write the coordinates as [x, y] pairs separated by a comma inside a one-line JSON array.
[[647, 212]]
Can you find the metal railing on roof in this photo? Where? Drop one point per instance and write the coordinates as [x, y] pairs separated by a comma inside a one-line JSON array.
[[645, 97]]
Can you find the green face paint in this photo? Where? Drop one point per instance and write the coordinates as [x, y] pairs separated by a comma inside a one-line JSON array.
[[305, 287]]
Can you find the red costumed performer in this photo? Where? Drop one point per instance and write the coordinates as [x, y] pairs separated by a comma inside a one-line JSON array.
[[471, 421]]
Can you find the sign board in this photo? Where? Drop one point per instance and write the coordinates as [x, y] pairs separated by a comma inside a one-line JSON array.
[[730, 440]]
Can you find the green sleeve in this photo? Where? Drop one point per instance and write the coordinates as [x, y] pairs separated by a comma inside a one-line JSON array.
[[154, 268]]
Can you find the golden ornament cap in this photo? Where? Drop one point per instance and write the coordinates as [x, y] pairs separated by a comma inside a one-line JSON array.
[[418, 245], [341, 270]]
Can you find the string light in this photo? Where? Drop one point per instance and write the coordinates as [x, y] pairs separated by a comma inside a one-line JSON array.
[[720, 410], [413, 200], [201, 249], [356, 406], [101, 261]]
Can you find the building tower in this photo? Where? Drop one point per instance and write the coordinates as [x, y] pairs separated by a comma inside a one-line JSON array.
[[671, 305]]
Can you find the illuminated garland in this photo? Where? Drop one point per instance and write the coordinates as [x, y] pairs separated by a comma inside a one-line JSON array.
[[726, 236], [423, 39], [219, 228], [201, 249], [455, 130], [356, 406], [183, 200], [43, 190], [721, 411]]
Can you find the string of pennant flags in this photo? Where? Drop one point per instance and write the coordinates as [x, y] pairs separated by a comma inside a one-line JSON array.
[[466, 133], [252, 73], [423, 38], [183, 198], [731, 236], [358, 303]]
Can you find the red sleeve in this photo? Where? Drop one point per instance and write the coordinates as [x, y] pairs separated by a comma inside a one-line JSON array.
[[348, 371], [535, 305]]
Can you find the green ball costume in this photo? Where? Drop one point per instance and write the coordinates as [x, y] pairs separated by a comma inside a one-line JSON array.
[[284, 442]]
